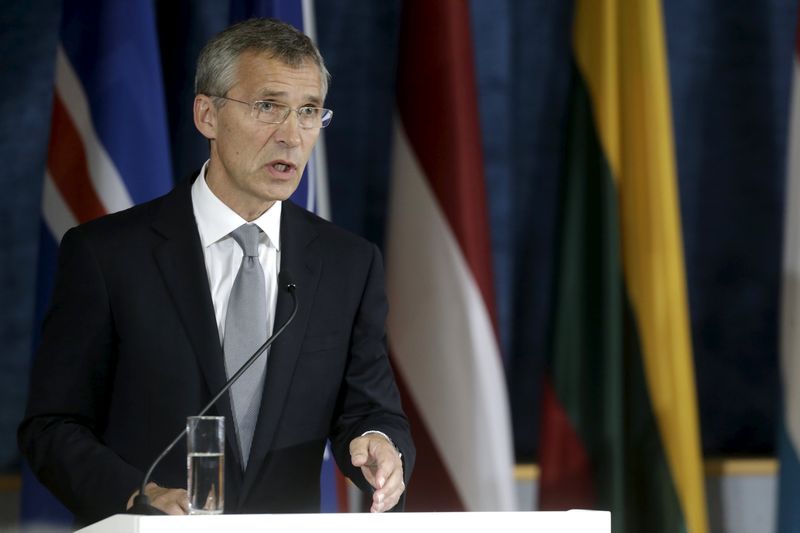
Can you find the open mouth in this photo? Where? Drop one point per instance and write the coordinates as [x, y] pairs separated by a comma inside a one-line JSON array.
[[282, 166]]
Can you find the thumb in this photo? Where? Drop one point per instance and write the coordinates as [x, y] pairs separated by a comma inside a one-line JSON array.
[[358, 451]]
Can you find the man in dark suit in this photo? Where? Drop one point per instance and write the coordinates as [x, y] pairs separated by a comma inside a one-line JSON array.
[[137, 338]]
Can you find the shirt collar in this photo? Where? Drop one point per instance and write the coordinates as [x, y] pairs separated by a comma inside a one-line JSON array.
[[215, 220]]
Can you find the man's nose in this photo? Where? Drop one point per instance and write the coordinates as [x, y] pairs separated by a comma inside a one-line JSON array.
[[288, 131]]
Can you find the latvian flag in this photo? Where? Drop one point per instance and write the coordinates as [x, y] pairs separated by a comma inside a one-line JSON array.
[[108, 145], [439, 279]]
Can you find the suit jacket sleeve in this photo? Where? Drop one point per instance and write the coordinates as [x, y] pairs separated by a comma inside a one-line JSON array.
[[369, 399], [70, 392]]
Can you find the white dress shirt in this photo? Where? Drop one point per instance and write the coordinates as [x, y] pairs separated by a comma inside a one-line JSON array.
[[223, 256]]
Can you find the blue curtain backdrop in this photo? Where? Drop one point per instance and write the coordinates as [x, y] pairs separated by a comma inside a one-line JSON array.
[[28, 37], [730, 66]]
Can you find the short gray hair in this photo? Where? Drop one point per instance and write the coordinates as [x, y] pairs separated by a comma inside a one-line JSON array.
[[216, 66]]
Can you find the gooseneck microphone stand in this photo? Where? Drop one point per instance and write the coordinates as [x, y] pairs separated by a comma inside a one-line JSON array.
[[141, 503]]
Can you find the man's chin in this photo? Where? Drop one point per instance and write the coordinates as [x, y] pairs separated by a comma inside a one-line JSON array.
[[279, 194]]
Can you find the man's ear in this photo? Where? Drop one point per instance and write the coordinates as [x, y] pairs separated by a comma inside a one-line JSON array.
[[205, 116]]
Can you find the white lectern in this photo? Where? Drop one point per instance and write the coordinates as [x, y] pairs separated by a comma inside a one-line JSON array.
[[541, 522]]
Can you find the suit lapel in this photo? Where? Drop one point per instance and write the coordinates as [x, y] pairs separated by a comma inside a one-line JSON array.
[[182, 265], [298, 257]]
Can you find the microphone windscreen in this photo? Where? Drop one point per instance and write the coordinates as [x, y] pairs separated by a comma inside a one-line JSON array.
[[285, 279]]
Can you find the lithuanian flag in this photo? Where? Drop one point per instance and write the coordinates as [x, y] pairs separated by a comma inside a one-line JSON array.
[[620, 424]]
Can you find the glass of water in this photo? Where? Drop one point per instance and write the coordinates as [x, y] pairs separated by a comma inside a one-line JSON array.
[[205, 461]]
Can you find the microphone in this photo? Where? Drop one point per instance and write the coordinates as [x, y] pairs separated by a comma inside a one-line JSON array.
[[141, 503]]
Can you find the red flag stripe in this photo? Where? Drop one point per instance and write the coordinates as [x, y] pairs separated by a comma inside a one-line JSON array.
[[567, 481], [342, 499], [66, 161], [797, 36]]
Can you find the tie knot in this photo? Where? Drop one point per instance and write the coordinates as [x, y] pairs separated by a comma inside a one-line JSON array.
[[247, 237]]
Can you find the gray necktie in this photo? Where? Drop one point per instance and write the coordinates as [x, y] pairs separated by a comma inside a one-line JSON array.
[[245, 331]]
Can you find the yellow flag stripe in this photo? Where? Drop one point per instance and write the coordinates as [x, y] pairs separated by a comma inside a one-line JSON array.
[[620, 51]]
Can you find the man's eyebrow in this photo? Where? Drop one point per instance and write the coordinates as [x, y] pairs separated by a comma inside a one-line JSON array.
[[310, 98], [272, 94]]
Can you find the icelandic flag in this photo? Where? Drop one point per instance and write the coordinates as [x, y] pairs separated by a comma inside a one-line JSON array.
[[108, 148], [789, 438], [312, 193]]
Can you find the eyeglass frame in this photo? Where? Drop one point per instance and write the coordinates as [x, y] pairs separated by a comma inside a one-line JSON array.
[[254, 113]]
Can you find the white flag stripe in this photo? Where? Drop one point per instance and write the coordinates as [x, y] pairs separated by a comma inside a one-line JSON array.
[[58, 217], [309, 20], [320, 177], [318, 196], [103, 173], [790, 305], [443, 342]]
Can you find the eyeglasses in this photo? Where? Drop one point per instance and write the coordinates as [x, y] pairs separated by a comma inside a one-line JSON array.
[[308, 117]]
